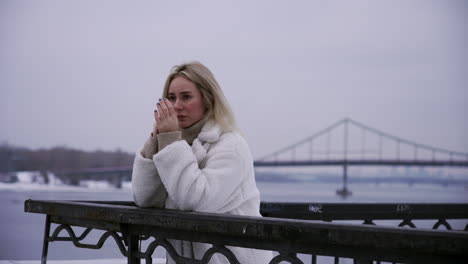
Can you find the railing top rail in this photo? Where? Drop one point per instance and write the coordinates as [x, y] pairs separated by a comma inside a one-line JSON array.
[[302, 235], [365, 211], [346, 211], [351, 211]]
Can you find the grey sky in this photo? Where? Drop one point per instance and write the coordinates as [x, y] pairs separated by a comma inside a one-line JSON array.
[[86, 74]]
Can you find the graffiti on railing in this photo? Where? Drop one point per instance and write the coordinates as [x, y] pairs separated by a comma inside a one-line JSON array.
[[315, 208]]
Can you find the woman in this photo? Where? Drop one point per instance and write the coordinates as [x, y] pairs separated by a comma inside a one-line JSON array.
[[196, 159]]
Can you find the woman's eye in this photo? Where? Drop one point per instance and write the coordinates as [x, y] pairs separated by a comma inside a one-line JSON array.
[[186, 97], [172, 99]]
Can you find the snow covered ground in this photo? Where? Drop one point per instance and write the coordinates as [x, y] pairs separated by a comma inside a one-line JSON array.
[[88, 186], [33, 180]]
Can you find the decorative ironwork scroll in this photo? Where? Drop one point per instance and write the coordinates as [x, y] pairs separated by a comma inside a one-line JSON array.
[[76, 240], [289, 257], [172, 252]]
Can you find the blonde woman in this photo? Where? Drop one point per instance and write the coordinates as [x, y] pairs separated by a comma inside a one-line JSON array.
[[196, 159]]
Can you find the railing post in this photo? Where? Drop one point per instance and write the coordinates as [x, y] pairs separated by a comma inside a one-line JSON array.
[[132, 249], [45, 244], [313, 259]]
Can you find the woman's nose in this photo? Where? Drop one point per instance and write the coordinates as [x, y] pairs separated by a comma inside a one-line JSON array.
[[177, 105]]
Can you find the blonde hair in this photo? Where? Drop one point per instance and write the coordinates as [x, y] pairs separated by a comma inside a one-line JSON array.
[[216, 106]]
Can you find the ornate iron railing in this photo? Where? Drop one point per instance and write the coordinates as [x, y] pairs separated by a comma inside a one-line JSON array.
[[288, 229]]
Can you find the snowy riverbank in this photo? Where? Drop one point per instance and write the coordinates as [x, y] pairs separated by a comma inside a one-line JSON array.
[[86, 186]]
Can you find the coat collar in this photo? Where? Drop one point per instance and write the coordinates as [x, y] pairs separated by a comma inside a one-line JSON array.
[[210, 132]]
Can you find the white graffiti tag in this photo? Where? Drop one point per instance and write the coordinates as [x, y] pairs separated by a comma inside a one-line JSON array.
[[316, 208], [403, 208]]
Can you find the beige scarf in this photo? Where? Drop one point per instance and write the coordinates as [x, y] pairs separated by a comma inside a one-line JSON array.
[[188, 134]]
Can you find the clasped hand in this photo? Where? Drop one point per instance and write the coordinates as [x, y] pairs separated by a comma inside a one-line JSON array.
[[166, 117]]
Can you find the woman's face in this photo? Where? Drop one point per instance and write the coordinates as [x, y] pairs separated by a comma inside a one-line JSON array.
[[187, 100]]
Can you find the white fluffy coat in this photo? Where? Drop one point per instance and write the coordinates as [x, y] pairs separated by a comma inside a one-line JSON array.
[[213, 175]]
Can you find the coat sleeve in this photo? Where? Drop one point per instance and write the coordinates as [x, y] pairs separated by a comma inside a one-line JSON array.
[[210, 189], [147, 187]]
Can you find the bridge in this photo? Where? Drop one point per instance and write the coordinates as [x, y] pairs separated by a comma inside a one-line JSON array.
[[373, 147], [356, 144], [345, 143]]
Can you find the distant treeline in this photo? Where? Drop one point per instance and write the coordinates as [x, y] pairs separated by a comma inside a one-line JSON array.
[[59, 159]]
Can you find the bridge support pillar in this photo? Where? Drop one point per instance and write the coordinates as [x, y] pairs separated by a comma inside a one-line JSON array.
[[344, 192]]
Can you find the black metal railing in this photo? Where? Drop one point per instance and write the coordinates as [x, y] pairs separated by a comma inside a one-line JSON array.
[[406, 214], [288, 229]]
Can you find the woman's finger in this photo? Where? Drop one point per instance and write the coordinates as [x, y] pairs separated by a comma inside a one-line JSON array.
[[156, 115], [158, 121], [156, 124], [172, 115], [170, 108], [155, 130], [164, 110], [161, 113]]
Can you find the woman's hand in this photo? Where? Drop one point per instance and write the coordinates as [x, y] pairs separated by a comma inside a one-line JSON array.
[[166, 117]]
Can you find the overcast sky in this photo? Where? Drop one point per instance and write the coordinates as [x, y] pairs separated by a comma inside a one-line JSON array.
[[86, 74]]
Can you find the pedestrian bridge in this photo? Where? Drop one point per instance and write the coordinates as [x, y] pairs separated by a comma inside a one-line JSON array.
[[348, 142]]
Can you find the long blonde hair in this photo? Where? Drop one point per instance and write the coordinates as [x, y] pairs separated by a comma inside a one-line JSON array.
[[216, 106]]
